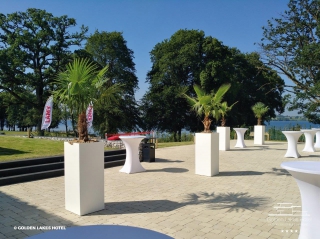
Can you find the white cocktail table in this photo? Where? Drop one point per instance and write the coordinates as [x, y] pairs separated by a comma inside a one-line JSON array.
[[132, 163], [307, 176], [317, 144], [292, 138], [240, 137], [309, 136]]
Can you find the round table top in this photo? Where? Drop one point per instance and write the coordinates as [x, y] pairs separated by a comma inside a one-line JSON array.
[[240, 128], [132, 137], [102, 232], [292, 132], [307, 130], [311, 167]]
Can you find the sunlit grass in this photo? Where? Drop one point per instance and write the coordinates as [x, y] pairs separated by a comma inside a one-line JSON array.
[[16, 148], [170, 144], [12, 148]]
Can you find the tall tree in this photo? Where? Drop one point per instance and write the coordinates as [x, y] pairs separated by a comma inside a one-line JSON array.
[[291, 46], [176, 65], [110, 48], [3, 108], [34, 46], [189, 57], [251, 81]]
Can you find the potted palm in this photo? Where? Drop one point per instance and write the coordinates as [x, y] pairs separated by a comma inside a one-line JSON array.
[[78, 86], [207, 142], [259, 109], [223, 130]]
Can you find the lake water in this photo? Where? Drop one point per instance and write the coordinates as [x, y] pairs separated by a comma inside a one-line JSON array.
[[289, 124]]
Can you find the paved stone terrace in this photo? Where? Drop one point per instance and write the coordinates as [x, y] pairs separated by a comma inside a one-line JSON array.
[[171, 199]]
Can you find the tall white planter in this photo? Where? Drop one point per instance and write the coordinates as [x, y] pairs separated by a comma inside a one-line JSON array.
[[224, 138], [84, 177], [259, 132], [207, 154]]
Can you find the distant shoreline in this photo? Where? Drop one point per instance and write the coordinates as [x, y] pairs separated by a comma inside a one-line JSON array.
[[289, 118]]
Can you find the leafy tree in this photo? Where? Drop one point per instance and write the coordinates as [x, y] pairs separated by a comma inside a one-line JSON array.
[[259, 110], [189, 57], [3, 108], [65, 116], [17, 114], [176, 64], [207, 104], [110, 48], [34, 46], [251, 82], [291, 46], [80, 85]]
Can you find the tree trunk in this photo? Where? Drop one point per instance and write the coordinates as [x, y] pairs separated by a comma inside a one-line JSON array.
[[73, 125], [82, 127], [66, 129], [223, 121], [259, 121], [206, 123], [179, 135], [175, 136], [40, 132]]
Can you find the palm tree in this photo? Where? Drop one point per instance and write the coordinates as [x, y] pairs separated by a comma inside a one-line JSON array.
[[78, 86], [223, 109], [207, 104], [259, 109]]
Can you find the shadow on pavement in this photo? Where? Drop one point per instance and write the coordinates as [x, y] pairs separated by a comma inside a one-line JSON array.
[[169, 170], [161, 160], [274, 171], [240, 201], [232, 201]]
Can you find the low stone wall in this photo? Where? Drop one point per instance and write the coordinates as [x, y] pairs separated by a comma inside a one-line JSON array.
[[118, 144], [115, 144]]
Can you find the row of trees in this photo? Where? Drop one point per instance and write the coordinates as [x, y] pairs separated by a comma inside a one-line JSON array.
[[35, 46]]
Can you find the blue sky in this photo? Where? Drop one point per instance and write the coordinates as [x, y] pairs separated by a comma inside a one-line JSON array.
[[144, 23]]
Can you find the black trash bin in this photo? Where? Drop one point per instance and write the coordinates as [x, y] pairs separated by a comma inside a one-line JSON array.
[[147, 151]]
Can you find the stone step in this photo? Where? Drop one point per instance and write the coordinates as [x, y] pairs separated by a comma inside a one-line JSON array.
[[35, 169]]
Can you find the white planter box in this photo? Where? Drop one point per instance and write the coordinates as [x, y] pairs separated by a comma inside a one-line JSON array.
[[207, 154], [259, 131], [224, 138], [84, 177]]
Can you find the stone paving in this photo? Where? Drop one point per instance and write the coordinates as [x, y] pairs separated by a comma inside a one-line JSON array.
[[171, 199]]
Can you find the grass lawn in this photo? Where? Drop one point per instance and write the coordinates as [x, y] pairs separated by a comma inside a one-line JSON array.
[[170, 144], [12, 148], [25, 133], [15, 148], [21, 133]]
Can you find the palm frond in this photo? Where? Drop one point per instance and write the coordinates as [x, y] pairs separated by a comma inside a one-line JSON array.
[[200, 92], [218, 96]]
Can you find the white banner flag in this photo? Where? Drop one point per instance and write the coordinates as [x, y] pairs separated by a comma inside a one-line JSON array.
[[89, 114], [47, 114]]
